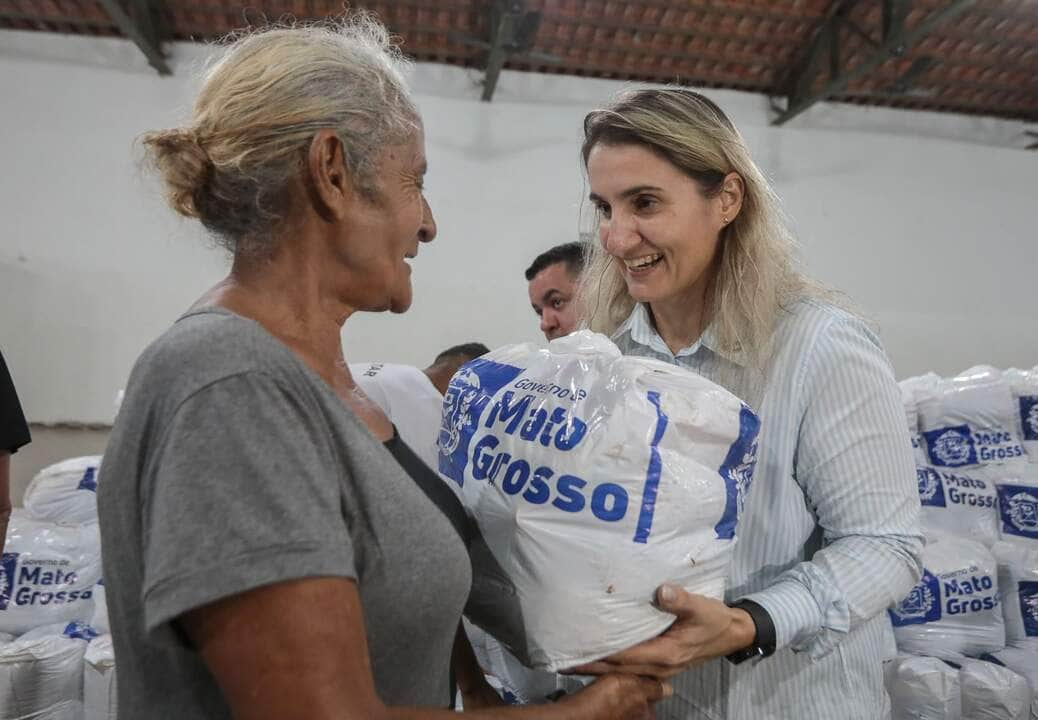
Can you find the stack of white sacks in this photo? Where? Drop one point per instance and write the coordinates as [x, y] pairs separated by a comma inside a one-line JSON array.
[[54, 654], [967, 634]]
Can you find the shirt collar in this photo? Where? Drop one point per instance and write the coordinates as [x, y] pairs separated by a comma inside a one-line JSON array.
[[639, 326]]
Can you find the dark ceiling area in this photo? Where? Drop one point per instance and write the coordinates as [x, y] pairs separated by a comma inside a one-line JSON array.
[[977, 57]]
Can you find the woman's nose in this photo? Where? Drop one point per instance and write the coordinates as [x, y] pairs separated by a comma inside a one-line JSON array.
[[618, 236], [427, 231]]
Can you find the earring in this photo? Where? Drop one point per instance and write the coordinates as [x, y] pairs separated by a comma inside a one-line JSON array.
[[724, 221]]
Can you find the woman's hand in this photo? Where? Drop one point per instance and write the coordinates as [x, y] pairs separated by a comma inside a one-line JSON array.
[[480, 695], [615, 697], [704, 629], [476, 692]]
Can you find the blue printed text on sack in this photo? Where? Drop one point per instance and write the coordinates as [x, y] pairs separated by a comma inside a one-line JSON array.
[[959, 445], [995, 446], [965, 595], [959, 487], [32, 584], [558, 428], [520, 417], [562, 393]]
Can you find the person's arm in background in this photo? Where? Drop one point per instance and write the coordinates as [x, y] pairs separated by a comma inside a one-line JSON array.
[[14, 433], [855, 466]]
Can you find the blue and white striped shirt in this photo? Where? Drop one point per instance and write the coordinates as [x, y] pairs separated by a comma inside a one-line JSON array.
[[830, 534]]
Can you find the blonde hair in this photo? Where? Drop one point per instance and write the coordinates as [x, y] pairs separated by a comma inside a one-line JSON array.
[[258, 110], [757, 273]]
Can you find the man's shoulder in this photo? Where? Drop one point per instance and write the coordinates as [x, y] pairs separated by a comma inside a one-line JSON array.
[[390, 374]]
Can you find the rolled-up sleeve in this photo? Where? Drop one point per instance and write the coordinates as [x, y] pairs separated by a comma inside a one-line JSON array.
[[854, 463]]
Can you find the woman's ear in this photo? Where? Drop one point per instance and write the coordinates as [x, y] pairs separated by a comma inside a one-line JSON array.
[[326, 177], [732, 192]]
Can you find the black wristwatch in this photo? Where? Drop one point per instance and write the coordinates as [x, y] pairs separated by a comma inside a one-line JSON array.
[[763, 644]]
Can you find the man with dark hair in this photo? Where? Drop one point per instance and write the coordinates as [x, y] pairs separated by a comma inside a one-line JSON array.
[[552, 278], [14, 433], [448, 362], [412, 398]]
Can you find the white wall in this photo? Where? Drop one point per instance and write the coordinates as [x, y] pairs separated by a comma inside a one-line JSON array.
[[927, 221]]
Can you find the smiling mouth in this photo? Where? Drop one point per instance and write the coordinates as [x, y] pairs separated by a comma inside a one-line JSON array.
[[644, 262]]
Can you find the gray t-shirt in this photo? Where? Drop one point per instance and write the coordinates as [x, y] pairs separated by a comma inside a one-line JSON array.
[[231, 466]]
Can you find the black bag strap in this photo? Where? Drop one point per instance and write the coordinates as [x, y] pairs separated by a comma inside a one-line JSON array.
[[434, 487]]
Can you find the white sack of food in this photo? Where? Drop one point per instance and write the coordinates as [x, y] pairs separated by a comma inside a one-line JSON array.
[[1017, 488], [65, 493], [74, 630], [912, 390], [961, 502], [100, 621], [593, 478], [99, 680], [992, 692], [1024, 662], [922, 688], [47, 573], [971, 419], [955, 609], [1024, 386], [1018, 586], [41, 678]]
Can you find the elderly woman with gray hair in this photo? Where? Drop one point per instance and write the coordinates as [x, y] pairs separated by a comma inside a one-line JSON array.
[[271, 548]]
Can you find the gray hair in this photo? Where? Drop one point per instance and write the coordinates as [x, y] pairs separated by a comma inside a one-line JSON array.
[[259, 108]]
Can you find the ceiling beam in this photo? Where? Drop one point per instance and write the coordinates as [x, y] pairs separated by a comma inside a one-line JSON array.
[[36, 18], [141, 25], [512, 30], [895, 39], [502, 14]]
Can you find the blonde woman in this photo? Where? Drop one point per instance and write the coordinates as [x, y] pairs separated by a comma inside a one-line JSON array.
[[695, 266], [272, 549]]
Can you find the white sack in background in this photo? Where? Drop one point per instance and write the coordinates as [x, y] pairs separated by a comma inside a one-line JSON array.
[[100, 620], [961, 502], [1024, 386], [1018, 585], [42, 678], [922, 688], [955, 609], [74, 630], [992, 692], [1025, 664], [99, 681], [970, 420], [65, 493], [593, 478], [912, 390], [47, 573]]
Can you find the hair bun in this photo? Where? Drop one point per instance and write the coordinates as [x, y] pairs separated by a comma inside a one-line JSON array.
[[184, 164]]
